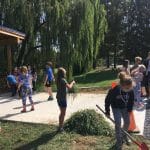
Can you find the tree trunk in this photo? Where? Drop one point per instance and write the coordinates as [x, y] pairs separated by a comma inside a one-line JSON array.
[[108, 60], [21, 57], [115, 57]]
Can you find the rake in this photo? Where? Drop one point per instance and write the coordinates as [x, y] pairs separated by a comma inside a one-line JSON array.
[[141, 145]]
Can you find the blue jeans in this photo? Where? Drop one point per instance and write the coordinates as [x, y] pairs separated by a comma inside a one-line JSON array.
[[137, 92], [13, 89], [120, 136]]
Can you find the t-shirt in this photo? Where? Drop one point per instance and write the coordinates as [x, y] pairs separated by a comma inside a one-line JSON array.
[[11, 79], [25, 80], [49, 72], [134, 67], [61, 89]]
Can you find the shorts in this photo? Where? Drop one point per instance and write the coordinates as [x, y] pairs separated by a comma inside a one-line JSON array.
[[62, 103], [48, 83]]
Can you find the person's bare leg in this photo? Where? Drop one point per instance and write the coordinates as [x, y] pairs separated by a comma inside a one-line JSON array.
[[143, 91], [62, 117], [46, 89], [149, 92], [49, 89]]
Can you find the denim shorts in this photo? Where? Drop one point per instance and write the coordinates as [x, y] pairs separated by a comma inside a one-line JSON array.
[[62, 103]]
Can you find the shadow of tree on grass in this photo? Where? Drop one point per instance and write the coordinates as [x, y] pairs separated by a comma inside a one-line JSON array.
[[33, 145]]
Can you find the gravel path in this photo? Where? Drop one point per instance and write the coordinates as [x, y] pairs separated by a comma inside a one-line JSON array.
[[47, 111]]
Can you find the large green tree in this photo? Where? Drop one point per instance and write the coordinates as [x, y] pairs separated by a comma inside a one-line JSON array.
[[71, 30]]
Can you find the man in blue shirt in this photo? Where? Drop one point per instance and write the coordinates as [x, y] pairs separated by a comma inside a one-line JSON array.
[[49, 79], [12, 84]]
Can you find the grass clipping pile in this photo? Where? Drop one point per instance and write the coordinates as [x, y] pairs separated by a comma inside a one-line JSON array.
[[88, 122]]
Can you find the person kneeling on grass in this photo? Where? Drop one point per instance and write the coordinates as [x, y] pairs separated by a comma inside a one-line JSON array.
[[25, 82], [61, 96], [12, 83], [121, 99]]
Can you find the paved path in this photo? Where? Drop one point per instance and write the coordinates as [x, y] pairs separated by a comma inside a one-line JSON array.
[[47, 111]]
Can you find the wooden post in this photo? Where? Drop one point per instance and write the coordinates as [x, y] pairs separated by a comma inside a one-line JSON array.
[[9, 59]]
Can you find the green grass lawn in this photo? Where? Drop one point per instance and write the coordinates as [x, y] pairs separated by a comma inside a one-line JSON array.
[[94, 79], [24, 136], [97, 78]]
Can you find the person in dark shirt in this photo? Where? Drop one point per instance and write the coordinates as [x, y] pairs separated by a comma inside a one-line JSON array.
[[121, 100], [61, 96]]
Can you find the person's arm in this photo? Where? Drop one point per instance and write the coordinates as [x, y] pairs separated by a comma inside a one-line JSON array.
[[30, 79], [53, 77], [69, 86], [108, 102], [128, 71], [134, 71], [130, 102], [46, 78], [19, 86], [8, 84], [20, 83]]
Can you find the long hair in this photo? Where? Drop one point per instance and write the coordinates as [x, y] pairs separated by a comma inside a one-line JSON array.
[[60, 74]]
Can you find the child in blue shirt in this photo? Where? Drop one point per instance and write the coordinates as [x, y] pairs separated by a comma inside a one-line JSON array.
[[12, 84], [25, 82], [49, 79]]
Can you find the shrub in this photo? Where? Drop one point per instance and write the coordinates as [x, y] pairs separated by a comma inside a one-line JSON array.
[[88, 122]]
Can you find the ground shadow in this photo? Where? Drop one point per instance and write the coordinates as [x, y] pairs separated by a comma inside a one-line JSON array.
[[35, 103], [11, 115], [43, 139], [6, 98]]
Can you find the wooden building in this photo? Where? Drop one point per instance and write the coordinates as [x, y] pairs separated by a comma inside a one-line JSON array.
[[8, 38]]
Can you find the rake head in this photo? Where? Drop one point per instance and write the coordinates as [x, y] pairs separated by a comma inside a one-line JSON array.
[[143, 146]]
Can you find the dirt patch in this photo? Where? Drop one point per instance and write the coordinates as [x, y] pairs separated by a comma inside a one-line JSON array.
[[83, 143]]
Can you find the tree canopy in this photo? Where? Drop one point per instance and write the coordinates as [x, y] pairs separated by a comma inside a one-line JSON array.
[[76, 33], [69, 32]]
